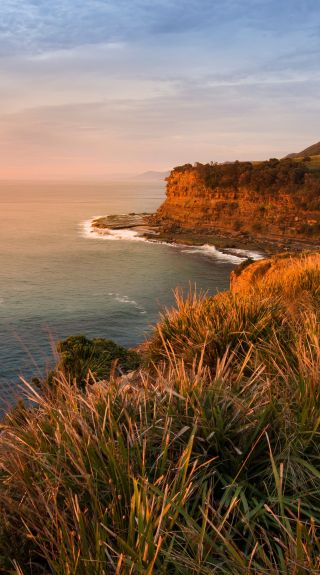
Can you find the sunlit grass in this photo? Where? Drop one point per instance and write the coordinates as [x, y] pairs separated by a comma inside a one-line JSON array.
[[207, 462], [313, 163]]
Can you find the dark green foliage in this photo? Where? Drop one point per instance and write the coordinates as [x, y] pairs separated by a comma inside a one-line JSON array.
[[310, 230], [239, 269], [79, 356], [268, 178]]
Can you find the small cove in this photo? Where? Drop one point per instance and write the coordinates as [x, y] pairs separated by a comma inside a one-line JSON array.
[[55, 281]]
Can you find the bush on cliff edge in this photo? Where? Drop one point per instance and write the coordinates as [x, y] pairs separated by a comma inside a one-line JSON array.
[[83, 361]]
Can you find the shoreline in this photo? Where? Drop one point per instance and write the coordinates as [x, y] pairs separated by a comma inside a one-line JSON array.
[[142, 228]]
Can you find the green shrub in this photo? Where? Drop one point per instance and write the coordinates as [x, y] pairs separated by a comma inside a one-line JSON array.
[[83, 360]]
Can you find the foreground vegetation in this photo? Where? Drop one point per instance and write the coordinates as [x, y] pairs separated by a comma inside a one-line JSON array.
[[206, 461], [83, 361]]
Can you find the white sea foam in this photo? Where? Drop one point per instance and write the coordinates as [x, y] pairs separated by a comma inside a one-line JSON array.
[[214, 253], [126, 300], [108, 234], [244, 254], [228, 255]]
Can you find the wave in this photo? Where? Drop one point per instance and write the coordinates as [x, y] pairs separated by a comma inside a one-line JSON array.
[[108, 233], [213, 252], [228, 255], [244, 254], [126, 300]]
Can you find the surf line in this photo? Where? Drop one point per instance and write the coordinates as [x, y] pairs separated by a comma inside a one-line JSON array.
[[230, 255]]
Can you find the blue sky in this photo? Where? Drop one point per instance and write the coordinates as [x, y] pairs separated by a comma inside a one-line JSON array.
[[95, 87]]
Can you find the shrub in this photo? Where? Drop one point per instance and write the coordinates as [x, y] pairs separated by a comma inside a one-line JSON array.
[[237, 225], [84, 360], [287, 176], [256, 226], [239, 269]]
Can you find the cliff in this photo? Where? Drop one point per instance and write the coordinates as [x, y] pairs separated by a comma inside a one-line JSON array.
[[277, 199]]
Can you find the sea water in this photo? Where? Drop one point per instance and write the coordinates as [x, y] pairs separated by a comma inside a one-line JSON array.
[[58, 279]]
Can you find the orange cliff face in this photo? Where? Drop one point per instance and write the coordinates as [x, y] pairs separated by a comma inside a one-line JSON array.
[[274, 198]]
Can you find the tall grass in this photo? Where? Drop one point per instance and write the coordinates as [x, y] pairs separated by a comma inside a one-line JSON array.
[[208, 461], [273, 305]]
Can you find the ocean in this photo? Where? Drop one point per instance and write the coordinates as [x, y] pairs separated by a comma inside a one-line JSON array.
[[57, 279]]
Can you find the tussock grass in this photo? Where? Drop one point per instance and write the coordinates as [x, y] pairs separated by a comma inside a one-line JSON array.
[[208, 461], [270, 304]]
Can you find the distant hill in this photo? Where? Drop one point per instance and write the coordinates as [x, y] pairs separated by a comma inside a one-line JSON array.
[[313, 150], [153, 176]]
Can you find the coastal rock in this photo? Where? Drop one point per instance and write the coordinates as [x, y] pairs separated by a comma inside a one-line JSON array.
[[275, 199]]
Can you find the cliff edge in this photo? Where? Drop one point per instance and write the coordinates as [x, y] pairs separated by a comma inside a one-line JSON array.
[[278, 199], [284, 270]]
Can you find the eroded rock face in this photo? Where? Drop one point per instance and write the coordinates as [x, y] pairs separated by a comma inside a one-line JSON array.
[[283, 210]]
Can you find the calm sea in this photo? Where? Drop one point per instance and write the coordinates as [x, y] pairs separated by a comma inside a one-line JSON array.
[[56, 280]]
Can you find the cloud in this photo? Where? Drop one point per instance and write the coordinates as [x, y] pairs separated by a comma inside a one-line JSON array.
[[197, 122], [135, 83], [35, 26]]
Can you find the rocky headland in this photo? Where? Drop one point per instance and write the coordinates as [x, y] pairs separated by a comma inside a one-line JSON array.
[[270, 206], [138, 223]]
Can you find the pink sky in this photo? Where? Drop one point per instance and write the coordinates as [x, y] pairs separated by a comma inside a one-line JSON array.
[[94, 89]]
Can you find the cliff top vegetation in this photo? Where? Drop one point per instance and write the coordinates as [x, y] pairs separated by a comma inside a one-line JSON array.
[[299, 178]]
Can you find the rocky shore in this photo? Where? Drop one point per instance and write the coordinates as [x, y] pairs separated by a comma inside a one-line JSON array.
[[149, 228], [269, 207]]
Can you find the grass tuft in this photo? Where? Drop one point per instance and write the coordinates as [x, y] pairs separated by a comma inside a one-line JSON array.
[[207, 462]]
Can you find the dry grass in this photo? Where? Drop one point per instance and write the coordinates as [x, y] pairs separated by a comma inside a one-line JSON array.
[[208, 463], [270, 303]]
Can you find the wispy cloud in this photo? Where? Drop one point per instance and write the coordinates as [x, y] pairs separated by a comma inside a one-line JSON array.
[[39, 25], [137, 83]]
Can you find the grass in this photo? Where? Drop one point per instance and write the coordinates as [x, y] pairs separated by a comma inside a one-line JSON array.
[[207, 462], [268, 309], [313, 163]]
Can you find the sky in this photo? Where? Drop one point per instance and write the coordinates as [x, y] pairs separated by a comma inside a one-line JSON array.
[[92, 88]]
